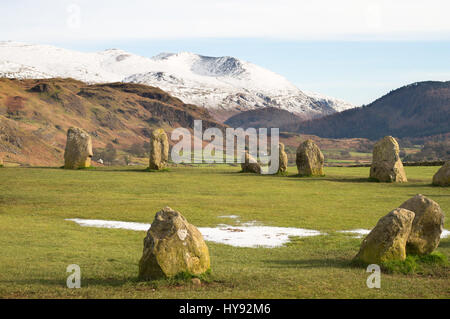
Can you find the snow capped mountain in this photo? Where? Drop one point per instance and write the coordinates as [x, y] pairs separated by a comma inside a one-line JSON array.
[[217, 83], [337, 104]]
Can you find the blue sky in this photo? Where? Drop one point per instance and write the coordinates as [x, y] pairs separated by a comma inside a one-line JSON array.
[[356, 50]]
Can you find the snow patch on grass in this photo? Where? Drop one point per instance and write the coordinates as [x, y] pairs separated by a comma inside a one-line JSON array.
[[251, 234], [245, 235], [358, 232], [230, 216]]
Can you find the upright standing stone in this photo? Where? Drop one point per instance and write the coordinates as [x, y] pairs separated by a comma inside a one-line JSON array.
[[387, 241], [442, 176], [78, 151], [159, 149], [386, 164], [1, 162], [283, 159], [309, 159], [250, 164], [427, 226], [172, 246]]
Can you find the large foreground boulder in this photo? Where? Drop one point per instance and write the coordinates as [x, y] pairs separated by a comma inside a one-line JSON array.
[[159, 149], [442, 176], [387, 240], [309, 159], [250, 164], [386, 164], [427, 226], [283, 159], [78, 151], [172, 246]]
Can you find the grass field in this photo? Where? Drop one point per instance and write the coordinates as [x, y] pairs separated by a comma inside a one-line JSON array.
[[37, 244]]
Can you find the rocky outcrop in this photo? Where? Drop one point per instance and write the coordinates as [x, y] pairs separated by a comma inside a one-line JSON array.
[[250, 164], [172, 246], [159, 149], [427, 226], [309, 159], [386, 164], [78, 151], [387, 241], [442, 176]]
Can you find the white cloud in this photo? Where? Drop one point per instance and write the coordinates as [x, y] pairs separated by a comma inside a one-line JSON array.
[[309, 19]]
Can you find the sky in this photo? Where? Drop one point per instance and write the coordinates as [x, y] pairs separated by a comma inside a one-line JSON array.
[[356, 50]]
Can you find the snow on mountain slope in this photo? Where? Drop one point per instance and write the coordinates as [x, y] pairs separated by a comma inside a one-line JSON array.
[[217, 83], [337, 104]]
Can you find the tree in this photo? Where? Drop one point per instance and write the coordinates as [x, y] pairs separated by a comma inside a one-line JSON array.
[[109, 154]]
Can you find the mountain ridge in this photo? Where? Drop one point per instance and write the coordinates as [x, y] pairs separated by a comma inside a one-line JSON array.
[[216, 83], [415, 110]]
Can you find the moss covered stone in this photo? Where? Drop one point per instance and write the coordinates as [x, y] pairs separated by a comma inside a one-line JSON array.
[[173, 246], [159, 150], [283, 159], [387, 241], [309, 159], [442, 176], [386, 164], [427, 226], [250, 164], [78, 151]]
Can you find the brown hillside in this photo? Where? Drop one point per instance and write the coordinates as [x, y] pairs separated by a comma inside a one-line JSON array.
[[35, 116]]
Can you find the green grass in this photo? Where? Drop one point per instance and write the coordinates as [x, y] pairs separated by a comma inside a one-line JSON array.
[[429, 264], [37, 244]]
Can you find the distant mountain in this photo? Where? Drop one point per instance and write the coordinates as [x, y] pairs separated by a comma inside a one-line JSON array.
[[220, 84], [267, 117], [416, 110], [35, 116]]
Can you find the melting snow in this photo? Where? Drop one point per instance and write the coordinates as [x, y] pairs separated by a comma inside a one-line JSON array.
[[111, 224], [254, 236], [359, 232], [245, 235], [248, 234]]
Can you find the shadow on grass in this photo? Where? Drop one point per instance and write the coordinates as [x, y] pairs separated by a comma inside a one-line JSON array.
[[309, 263], [85, 282], [134, 170], [330, 179], [416, 183], [444, 244], [95, 169], [350, 180]]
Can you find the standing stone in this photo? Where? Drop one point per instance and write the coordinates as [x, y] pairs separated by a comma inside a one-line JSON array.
[[1, 162], [78, 151], [427, 226], [250, 164], [386, 164], [309, 159], [387, 240], [283, 159], [172, 246], [442, 176], [159, 149]]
